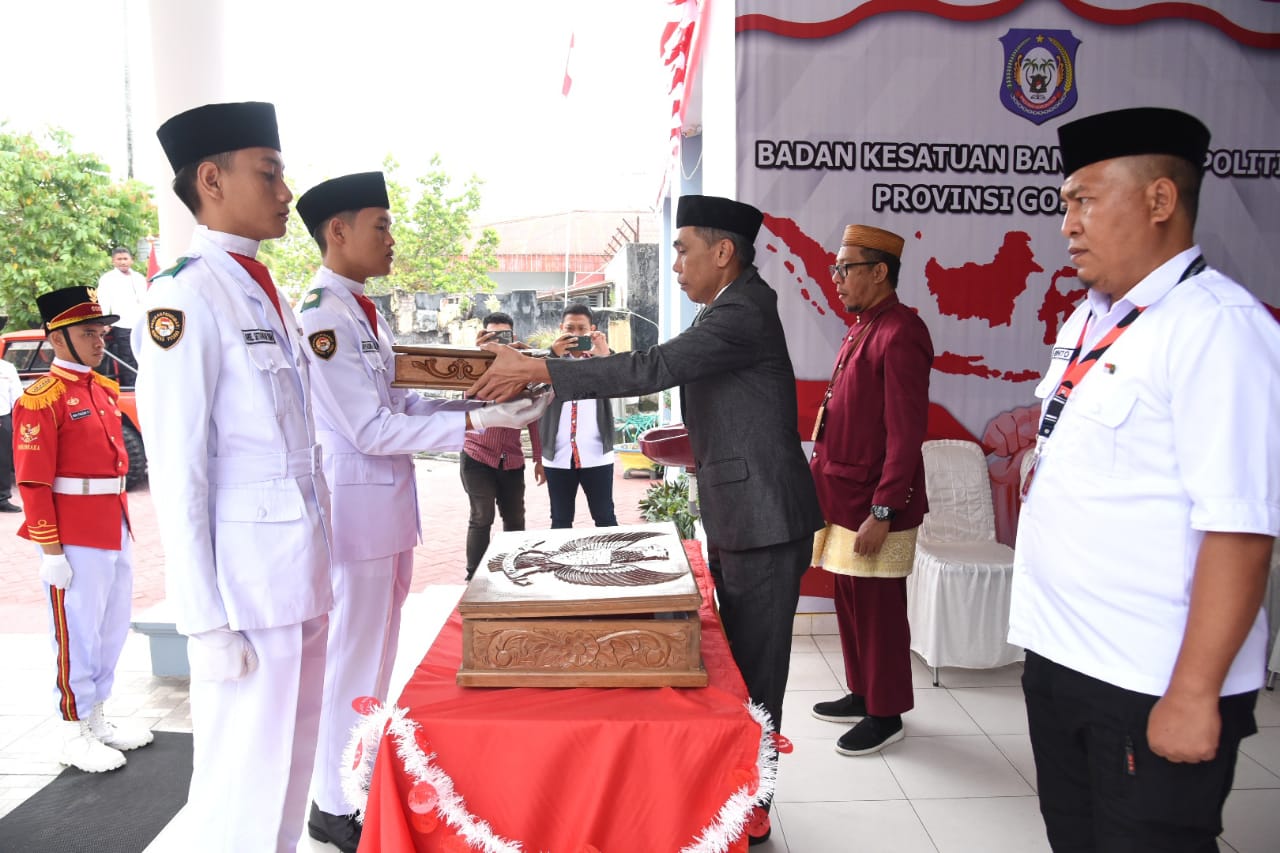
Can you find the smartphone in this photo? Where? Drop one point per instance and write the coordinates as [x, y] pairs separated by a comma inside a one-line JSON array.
[[583, 344], [502, 336]]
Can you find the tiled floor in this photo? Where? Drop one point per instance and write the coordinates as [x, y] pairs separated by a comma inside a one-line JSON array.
[[961, 782]]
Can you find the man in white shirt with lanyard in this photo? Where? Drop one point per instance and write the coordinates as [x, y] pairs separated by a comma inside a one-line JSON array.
[[120, 292], [1151, 506]]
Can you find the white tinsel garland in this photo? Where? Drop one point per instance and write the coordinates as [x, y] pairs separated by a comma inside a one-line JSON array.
[[362, 748]]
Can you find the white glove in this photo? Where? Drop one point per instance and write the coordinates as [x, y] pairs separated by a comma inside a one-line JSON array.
[[55, 570], [513, 413], [220, 655]]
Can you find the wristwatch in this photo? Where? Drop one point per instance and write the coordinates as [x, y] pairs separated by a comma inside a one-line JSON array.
[[882, 513]]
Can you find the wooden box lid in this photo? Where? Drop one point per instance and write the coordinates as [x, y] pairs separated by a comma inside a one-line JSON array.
[[443, 368], [637, 568]]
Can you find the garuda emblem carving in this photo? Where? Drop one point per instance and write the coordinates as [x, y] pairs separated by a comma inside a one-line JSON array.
[[610, 559]]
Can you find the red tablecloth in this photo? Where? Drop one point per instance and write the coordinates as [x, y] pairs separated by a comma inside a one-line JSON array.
[[623, 770]]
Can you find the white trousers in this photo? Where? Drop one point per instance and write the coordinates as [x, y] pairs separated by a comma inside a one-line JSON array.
[[88, 623], [364, 632], [254, 742]]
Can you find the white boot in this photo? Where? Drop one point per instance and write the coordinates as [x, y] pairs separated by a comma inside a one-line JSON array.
[[123, 735], [84, 751]]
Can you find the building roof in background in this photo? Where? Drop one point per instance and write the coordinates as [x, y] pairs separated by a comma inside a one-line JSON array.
[[596, 233]]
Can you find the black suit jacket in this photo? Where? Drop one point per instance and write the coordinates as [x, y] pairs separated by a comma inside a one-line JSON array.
[[738, 395]]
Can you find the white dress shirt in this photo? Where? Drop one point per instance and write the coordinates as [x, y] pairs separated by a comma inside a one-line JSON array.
[[122, 294], [1170, 435]]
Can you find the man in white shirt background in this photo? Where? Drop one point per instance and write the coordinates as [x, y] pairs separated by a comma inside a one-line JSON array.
[[10, 391], [577, 435], [120, 292]]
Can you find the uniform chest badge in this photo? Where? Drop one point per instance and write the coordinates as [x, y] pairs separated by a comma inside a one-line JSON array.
[[73, 401], [30, 432], [83, 413], [323, 343], [165, 326]]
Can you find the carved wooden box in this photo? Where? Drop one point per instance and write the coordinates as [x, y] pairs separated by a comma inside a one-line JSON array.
[[592, 607], [440, 368]]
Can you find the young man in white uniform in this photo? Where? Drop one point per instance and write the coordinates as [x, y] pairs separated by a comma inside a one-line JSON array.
[[369, 432], [225, 404], [1150, 512]]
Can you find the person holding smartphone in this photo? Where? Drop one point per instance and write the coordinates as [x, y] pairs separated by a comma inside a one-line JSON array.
[[577, 435], [492, 464]]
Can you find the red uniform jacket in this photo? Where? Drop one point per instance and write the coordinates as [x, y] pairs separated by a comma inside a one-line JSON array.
[[69, 425], [875, 421]]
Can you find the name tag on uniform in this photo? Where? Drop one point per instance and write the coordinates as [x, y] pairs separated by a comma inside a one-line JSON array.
[[83, 413], [259, 336], [1063, 353], [368, 346]]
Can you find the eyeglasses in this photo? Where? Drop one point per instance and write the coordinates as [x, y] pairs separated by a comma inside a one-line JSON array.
[[842, 270]]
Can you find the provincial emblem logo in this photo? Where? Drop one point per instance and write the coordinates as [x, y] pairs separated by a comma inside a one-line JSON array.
[[165, 326], [29, 433], [1039, 79], [324, 343]]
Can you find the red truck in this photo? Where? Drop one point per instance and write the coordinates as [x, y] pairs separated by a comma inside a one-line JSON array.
[[31, 354]]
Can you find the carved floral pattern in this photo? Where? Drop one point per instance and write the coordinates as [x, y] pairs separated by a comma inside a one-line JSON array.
[[575, 649]]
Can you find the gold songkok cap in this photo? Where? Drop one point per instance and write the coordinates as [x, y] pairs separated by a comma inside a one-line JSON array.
[[869, 237]]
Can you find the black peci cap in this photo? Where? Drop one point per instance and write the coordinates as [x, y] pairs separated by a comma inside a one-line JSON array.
[[1123, 133], [709, 211], [217, 128], [350, 192]]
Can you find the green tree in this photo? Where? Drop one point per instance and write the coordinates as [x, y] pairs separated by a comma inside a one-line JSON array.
[[60, 214], [434, 248], [435, 251]]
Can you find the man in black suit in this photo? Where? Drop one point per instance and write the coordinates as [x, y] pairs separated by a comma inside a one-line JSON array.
[[738, 396]]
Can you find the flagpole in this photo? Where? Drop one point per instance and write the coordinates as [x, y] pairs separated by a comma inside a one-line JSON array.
[[568, 227]]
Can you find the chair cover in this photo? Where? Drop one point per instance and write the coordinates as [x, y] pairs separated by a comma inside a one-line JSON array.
[[958, 591]]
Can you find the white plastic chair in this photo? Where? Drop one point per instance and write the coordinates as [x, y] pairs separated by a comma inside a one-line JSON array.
[[958, 591]]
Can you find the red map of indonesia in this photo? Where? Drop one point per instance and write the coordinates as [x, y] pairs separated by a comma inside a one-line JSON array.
[[987, 291]]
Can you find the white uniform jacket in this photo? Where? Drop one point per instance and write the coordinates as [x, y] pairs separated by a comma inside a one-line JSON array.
[[224, 400], [367, 428]]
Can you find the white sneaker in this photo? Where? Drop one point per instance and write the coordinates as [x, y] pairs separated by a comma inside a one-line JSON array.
[[123, 735], [84, 751]]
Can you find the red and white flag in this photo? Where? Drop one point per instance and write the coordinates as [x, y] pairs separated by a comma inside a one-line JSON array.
[[568, 69], [153, 265]]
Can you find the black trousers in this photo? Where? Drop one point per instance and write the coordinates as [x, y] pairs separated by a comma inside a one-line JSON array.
[[6, 456], [1101, 788], [597, 485], [487, 487], [758, 590], [118, 344]]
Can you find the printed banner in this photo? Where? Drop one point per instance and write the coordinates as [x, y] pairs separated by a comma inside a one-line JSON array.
[[939, 125]]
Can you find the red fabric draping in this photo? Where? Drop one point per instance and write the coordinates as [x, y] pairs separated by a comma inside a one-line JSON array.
[[624, 770]]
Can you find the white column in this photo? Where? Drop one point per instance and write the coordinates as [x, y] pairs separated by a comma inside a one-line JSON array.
[[187, 50], [718, 73]]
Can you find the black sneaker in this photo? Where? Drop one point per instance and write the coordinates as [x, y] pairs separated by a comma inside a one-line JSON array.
[[850, 709], [871, 735], [342, 831]]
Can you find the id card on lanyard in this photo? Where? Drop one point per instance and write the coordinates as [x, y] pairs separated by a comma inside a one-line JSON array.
[[1078, 368]]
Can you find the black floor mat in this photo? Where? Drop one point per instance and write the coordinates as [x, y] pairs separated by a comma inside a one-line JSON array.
[[120, 811]]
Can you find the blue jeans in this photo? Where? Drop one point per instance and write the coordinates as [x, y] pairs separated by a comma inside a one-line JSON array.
[[597, 485]]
